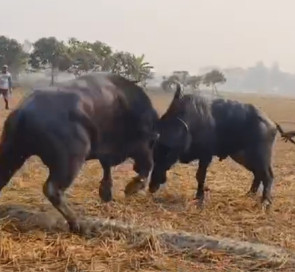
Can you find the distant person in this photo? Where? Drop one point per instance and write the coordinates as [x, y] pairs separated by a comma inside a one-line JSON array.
[[5, 85]]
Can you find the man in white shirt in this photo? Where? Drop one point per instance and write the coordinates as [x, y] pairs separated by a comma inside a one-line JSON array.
[[5, 84]]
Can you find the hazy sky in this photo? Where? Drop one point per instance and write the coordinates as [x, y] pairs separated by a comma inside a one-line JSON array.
[[174, 35]]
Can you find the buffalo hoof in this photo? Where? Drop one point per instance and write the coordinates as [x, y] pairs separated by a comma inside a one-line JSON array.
[[80, 227], [134, 186], [199, 202], [250, 194], [265, 206], [74, 227], [105, 194], [154, 188]]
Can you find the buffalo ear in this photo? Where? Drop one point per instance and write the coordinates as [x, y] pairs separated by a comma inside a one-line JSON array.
[[179, 91]]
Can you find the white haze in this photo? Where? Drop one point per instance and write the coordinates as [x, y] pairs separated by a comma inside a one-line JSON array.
[[173, 34]]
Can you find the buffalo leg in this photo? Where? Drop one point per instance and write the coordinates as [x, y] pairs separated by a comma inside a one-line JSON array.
[[267, 181], [266, 177], [158, 178], [10, 162], [201, 176], [105, 188], [60, 178], [143, 166], [254, 187], [242, 159], [258, 160], [261, 160]]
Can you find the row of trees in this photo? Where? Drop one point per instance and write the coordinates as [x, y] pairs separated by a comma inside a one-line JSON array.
[[209, 79], [74, 56], [79, 57]]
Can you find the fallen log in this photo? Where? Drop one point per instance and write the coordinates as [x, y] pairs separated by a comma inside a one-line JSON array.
[[181, 240], [178, 240]]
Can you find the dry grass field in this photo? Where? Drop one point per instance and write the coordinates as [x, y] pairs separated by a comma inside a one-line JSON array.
[[228, 213]]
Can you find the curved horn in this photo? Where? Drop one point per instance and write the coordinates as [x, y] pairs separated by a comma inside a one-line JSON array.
[[184, 123], [179, 91]]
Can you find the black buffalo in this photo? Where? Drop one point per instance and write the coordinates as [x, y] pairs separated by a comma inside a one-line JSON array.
[[98, 116], [196, 128]]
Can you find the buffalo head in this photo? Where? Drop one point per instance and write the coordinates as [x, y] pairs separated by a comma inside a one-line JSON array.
[[174, 139]]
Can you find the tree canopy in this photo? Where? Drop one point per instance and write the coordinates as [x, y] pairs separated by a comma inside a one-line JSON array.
[[212, 78], [79, 57], [209, 79], [74, 56], [12, 54]]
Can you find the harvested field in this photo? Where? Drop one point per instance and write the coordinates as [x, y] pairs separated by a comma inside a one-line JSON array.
[[47, 246]]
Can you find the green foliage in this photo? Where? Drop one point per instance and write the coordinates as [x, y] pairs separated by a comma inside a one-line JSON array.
[[12, 54], [131, 67], [194, 82], [141, 69], [103, 53], [181, 76], [120, 64], [210, 79], [64, 62], [49, 52], [213, 78], [82, 57], [165, 85], [98, 56], [76, 57], [174, 78]]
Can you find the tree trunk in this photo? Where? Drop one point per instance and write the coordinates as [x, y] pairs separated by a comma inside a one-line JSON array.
[[52, 76], [214, 89]]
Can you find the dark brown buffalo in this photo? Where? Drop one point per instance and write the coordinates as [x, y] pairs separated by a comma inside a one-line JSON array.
[[98, 116], [196, 128]]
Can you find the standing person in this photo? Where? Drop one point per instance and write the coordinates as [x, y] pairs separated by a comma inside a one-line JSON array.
[[5, 84]]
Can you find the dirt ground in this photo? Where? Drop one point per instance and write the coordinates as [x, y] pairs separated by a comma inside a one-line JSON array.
[[228, 212]]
